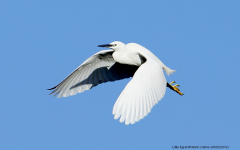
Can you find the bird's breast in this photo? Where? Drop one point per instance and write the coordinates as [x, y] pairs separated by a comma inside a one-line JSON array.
[[127, 58]]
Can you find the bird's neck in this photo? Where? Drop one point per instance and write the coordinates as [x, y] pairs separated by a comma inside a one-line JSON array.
[[118, 56]]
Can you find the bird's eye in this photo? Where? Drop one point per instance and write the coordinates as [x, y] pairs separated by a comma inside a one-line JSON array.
[[115, 44]]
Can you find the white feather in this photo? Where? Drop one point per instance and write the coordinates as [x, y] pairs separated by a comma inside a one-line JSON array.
[[146, 88], [135, 90]]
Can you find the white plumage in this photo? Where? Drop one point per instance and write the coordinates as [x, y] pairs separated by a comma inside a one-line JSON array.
[[146, 88]]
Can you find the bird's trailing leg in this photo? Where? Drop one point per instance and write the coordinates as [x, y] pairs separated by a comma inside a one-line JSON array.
[[174, 87]]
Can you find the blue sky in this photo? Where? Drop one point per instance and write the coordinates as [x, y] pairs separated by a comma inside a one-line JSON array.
[[41, 42]]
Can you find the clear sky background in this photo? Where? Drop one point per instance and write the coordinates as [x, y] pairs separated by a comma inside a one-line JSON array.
[[41, 42]]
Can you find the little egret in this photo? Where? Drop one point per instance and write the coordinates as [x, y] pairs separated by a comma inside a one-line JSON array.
[[146, 88]]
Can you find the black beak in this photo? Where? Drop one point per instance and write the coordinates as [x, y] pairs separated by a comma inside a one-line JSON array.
[[105, 45]]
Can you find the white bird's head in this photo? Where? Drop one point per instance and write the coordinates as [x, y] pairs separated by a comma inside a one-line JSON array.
[[116, 45]]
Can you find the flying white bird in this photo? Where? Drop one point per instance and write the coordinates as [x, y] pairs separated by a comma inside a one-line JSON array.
[[146, 88]]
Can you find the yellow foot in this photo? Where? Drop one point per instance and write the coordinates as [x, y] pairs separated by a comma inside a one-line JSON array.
[[174, 87]]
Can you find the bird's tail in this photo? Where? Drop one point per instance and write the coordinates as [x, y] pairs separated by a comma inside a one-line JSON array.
[[168, 70]]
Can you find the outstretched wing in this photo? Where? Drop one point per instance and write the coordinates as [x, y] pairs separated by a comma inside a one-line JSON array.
[[146, 88], [99, 68]]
